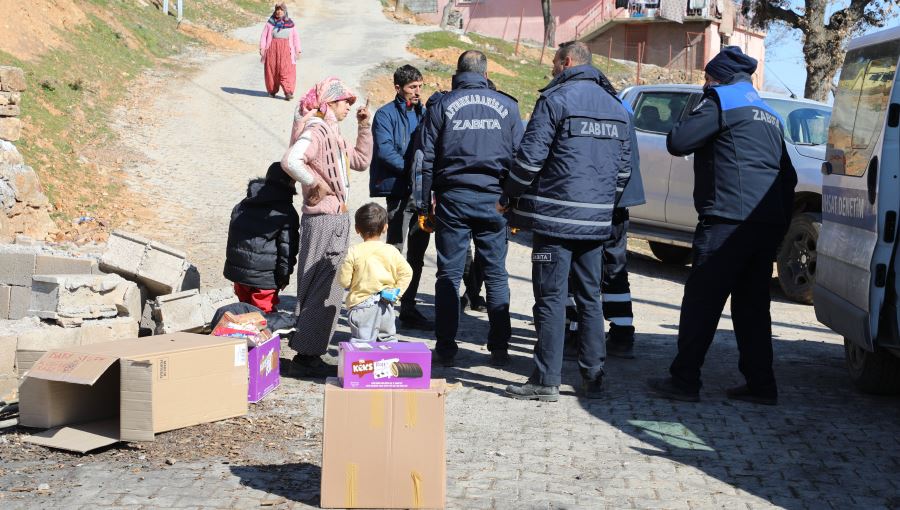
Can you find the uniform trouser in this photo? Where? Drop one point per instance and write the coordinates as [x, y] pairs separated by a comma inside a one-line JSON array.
[[372, 320], [459, 214], [729, 258], [403, 226], [323, 245], [615, 289], [552, 260]]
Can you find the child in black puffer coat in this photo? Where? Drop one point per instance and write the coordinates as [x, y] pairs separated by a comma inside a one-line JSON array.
[[263, 240]]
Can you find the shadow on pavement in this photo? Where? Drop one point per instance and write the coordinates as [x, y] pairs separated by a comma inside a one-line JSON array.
[[245, 92], [824, 446], [295, 482]]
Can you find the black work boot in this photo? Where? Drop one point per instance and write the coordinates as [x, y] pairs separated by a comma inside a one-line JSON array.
[[745, 394], [499, 358], [444, 361], [591, 388], [620, 347], [664, 387], [531, 391], [412, 318], [311, 366]]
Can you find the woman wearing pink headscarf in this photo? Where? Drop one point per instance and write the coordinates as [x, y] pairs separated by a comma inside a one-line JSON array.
[[279, 47], [319, 159]]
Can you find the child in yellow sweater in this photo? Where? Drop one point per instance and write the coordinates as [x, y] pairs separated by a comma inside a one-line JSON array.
[[376, 275]]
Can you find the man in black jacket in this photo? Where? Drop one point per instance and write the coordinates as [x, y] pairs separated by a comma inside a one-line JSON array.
[[468, 141], [263, 240], [743, 192]]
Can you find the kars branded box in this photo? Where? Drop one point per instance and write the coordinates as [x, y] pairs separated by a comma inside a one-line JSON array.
[[384, 448], [386, 365], [128, 390], [263, 365]]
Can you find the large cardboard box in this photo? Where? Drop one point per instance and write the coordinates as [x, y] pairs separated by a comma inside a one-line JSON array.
[[384, 448], [95, 395]]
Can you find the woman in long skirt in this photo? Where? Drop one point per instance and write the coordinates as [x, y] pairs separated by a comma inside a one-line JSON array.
[[279, 47]]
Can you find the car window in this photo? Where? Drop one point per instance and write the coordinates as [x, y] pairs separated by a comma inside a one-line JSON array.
[[860, 103], [657, 112], [804, 123]]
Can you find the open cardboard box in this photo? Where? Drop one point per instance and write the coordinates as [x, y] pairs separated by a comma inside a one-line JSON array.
[[128, 390]]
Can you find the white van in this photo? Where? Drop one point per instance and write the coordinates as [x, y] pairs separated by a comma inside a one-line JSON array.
[[856, 288]]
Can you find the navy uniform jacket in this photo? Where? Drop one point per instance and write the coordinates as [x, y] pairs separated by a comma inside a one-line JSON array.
[[575, 160], [742, 170], [468, 139], [390, 131]]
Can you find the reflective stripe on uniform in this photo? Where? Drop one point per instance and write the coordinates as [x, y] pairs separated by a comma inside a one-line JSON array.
[[562, 220], [517, 179], [617, 298], [525, 166], [567, 203], [621, 321]]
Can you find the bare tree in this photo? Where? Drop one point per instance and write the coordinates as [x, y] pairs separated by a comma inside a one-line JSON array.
[[823, 36], [549, 24]]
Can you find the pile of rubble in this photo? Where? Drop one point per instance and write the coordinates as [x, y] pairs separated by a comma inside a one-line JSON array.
[[23, 208], [133, 287]]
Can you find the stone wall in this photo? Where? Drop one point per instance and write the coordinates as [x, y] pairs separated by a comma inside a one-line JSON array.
[[24, 209]]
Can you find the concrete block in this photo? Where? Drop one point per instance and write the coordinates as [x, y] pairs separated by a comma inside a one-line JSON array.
[[124, 253], [163, 269], [16, 267], [53, 265], [12, 79], [213, 299], [9, 388], [8, 342], [181, 311], [84, 297], [8, 98], [25, 360], [19, 302], [33, 335], [108, 330], [10, 110], [4, 301], [148, 323]]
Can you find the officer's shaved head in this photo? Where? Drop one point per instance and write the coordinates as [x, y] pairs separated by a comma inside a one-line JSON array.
[[576, 50], [472, 61]]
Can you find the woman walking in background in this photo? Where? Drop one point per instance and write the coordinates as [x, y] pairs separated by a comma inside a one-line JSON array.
[[319, 158], [279, 47]]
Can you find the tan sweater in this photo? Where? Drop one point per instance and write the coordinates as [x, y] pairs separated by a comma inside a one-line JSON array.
[[371, 267]]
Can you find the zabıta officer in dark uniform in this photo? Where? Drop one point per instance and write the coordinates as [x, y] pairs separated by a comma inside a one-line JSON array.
[[468, 141], [743, 192], [574, 162]]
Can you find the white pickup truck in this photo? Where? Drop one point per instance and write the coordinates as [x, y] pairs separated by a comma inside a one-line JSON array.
[[668, 218]]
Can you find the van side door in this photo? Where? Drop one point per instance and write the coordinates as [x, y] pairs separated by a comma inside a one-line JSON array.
[[860, 195]]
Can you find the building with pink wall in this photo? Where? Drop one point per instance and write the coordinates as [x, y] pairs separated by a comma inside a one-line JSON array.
[[677, 34]]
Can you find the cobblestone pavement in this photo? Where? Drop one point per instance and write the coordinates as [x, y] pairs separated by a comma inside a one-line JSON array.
[[824, 446]]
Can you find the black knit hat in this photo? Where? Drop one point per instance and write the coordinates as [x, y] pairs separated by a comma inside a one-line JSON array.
[[276, 175], [730, 61]]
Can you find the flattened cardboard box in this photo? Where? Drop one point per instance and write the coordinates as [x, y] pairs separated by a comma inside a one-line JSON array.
[[128, 390], [384, 448]]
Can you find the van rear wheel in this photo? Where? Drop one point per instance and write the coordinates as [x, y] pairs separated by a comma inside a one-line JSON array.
[[873, 372], [670, 253], [796, 259]]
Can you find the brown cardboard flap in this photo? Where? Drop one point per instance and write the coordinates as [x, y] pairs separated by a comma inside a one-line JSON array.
[[71, 367], [80, 438]]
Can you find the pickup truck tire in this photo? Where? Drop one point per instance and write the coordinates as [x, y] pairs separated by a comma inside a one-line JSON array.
[[872, 372], [796, 260], [670, 254]]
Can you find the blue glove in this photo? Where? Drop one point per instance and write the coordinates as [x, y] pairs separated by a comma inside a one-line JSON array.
[[390, 295]]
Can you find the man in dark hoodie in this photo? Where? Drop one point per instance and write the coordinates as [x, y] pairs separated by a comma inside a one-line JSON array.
[[743, 192], [263, 239]]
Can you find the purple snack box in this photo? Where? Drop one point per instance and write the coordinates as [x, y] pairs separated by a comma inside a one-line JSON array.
[[262, 361], [387, 365]]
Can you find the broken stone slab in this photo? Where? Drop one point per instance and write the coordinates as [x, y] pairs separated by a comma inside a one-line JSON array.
[[181, 311], [124, 253], [12, 79], [213, 299], [16, 265], [10, 110], [19, 302], [8, 98], [108, 330], [9, 154], [163, 269], [65, 297], [148, 324]]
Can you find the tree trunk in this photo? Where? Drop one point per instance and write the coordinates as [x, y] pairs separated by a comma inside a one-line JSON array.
[[549, 23], [824, 58], [445, 15]]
